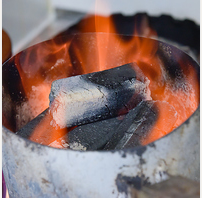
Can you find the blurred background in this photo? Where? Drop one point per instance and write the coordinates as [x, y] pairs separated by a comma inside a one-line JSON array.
[[28, 22]]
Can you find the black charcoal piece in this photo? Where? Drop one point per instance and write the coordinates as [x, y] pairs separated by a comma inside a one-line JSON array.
[[93, 136], [115, 133], [27, 130], [135, 125], [97, 96]]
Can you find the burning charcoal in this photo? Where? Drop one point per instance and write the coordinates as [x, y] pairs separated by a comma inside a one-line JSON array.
[[27, 130], [136, 123], [113, 133], [39, 130], [97, 96], [93, 136]]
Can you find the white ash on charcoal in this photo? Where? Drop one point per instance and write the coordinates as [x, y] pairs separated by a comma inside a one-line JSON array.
[[115, 133], [60, 143], [97, 96]]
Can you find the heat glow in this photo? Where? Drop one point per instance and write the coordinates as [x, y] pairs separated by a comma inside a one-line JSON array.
[[95, 52]]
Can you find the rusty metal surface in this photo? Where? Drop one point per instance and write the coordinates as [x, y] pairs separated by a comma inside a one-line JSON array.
[[175, 187]]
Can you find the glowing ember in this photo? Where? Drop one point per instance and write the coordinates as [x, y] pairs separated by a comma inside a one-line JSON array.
[[177, 94]]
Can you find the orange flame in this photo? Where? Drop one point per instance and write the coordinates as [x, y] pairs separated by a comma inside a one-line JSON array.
[[175, 105], [167, 116], [38, 68], [45, 134]]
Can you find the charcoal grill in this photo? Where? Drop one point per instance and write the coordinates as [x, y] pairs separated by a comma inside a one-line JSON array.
[[34, 170]]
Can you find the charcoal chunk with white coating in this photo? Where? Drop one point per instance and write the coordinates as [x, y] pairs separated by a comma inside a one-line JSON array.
[[96, 96]]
